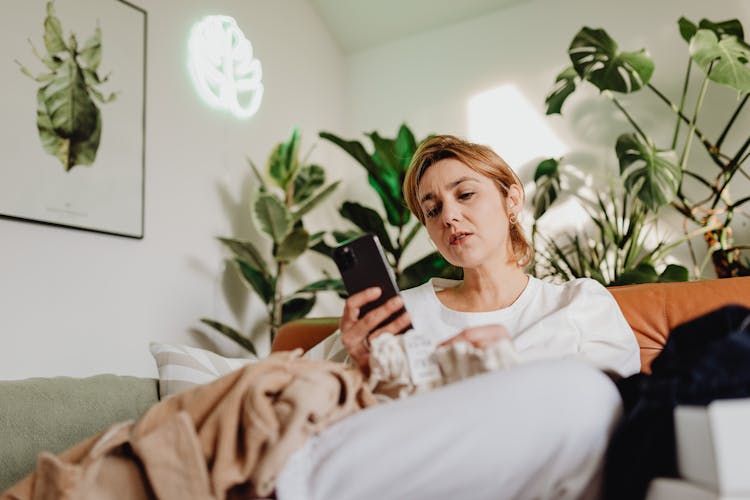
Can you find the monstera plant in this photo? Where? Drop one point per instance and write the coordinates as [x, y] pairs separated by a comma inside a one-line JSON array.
[[657, 173], [68, 119], [293, 191], [386, 168]]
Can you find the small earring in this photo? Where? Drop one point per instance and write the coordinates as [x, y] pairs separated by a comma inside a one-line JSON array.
[[513, 219]]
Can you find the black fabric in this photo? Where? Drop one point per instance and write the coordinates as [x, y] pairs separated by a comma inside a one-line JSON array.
[[703, 360]]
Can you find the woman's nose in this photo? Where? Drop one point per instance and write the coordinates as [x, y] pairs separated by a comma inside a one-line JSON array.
[[451, 213]]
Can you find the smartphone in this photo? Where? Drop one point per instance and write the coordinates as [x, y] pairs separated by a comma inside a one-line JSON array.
[[362, 264]]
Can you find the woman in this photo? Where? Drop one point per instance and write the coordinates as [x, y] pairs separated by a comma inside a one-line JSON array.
[[538, 430]]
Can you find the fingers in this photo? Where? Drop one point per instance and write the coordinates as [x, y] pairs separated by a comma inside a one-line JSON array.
[[373, 318], [354, 304], [401, 323]]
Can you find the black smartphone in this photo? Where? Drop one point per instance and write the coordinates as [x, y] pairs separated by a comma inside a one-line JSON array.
[[362, 264]]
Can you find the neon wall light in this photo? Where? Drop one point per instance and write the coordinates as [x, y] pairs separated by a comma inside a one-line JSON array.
[[222, 66]]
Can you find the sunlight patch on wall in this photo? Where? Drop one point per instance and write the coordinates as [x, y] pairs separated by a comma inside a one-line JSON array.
[[505, 120], [222, 66]]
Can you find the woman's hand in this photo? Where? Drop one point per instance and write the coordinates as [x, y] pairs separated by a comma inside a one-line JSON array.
[[356, 331], [480, 337]]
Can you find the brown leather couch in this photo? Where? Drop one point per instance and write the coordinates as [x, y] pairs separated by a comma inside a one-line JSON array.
[[652, 310]]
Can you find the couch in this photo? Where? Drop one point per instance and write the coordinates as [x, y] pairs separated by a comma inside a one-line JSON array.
[[55, 413]]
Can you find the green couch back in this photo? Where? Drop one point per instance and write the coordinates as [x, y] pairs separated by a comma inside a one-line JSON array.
[[55, 413]]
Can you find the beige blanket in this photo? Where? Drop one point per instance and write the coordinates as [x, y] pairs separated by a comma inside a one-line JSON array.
[[227, 439]]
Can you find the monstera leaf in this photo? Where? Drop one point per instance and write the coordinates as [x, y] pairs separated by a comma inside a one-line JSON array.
[[732, 27], [654, 175], [565, 84], [725, 60], [547, 180], [595, 58]]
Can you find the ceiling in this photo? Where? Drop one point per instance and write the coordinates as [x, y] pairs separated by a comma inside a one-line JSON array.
[[362, 24]]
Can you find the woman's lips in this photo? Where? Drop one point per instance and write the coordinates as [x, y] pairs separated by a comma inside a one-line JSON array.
[[459, 239]]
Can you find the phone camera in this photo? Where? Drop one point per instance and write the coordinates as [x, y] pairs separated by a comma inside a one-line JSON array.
[[345, 258]]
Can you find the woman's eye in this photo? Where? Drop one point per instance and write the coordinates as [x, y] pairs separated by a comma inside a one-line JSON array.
[[465, 196], [432, 212]]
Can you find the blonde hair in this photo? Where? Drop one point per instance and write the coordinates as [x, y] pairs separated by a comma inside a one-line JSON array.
[[480, 159]]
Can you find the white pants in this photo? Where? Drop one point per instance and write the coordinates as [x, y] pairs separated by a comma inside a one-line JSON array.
[[537, 431]]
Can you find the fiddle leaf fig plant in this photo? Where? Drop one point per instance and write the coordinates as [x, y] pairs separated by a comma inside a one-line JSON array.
[[68, 120], [656, 173], [386, 167], [293, 191]]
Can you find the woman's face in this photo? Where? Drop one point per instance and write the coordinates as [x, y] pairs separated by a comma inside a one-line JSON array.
[[465, 214]]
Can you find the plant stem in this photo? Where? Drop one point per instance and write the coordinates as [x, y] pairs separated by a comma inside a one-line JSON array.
[[629, 118], [698, 105], [682, 102], [734, 166], [711, 149], [731, 121]]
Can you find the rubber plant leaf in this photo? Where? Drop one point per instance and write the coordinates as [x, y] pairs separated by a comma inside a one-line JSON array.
[[273, 217], [293, 245], [595, 58], [313, 202], [565, 84], [368, 221], [654, 175], [308, 179], [255, 278], [231, 333], [547, 180], [324, 285], [725, 60], [296, 308], [642, 273], [245, 250], [283, 163]]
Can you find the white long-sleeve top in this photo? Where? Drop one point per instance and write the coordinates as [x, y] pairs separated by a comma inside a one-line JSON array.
[[579, 318]]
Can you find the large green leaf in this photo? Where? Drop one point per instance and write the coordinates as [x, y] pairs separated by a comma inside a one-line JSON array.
[[72, 112], [314, 201], [406, 146], [296, 308], [565, 84], [231, 333], [262, 284], [283, 163], [384, 183], [547, 180], [427, 267], [273, 217], [53, 33], [654, 175], [309, 178], [731, 27], [596, 59], [392, 168], [368, 221], [727, 59], [643, 273], [674, 273], [245, 250], [293, 245]]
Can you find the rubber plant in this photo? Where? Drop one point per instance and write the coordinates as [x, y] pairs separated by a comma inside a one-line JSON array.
[[68, 119], [386, 168], [657, 173], [295, 188]]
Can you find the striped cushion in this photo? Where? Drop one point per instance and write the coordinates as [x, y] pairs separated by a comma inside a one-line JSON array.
[[182, 367]]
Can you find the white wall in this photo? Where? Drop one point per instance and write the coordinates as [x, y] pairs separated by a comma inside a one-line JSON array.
[[511, 57], [77, 303]]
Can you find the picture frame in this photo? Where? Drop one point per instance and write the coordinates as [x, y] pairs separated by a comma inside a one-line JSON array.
[[74, 80]]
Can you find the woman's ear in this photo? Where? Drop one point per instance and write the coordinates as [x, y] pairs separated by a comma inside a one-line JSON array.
[[514, 199]]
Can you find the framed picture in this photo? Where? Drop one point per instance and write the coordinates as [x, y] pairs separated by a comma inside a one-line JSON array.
[[73, 100]]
